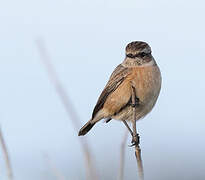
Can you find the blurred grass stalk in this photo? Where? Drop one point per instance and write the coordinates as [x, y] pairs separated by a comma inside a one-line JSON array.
[[6, 156], [122, 156], [71, 112], [58, 174]]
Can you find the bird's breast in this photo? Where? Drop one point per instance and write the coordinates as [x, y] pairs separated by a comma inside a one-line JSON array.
[[147, 82]]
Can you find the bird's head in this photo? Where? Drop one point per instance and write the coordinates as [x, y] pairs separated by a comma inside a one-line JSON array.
[[139, 52]]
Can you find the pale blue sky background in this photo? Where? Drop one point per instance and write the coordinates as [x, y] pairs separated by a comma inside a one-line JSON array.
[[86, 40]]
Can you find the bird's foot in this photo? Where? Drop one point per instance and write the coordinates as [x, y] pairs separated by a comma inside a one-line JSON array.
[[135, 140], [136, 103]]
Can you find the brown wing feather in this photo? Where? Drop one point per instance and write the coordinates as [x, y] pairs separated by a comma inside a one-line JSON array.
[[116, 78]]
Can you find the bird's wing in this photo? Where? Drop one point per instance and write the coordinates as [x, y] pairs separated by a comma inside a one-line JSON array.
[[116, 78]]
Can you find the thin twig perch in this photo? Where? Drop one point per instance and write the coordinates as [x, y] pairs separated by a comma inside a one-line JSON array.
[[139, 162], [137, 146], [71, 112], [122, 156], [6, 156]]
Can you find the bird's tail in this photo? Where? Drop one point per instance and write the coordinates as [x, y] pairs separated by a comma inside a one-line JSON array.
[[87, 127]]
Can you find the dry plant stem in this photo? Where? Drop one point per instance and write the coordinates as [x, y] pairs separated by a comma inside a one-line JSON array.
[[71, 112], [139, 162], [6, 156], [122, 156], [137, 147], [54, 169]]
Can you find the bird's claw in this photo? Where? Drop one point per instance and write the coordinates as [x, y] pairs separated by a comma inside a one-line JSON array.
[[133, 144], [135, 141]]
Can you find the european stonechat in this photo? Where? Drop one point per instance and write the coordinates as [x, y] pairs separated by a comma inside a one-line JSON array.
[[138, 71]]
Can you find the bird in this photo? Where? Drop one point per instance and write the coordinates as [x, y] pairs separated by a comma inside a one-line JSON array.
[[135, 83]]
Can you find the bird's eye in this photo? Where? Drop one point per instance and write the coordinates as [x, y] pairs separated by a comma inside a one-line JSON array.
[[142, 54], [130, 55]]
